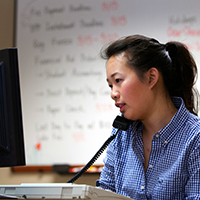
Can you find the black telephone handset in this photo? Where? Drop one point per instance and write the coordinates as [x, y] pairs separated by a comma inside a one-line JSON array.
[[120, 123]]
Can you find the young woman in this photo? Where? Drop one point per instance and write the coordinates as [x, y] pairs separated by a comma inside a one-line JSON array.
[[158, 157]]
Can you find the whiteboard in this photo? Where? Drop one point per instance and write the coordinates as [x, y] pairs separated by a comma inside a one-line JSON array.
[[67, 109]]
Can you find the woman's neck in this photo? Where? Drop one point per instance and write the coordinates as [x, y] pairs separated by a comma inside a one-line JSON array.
[[161, 114]]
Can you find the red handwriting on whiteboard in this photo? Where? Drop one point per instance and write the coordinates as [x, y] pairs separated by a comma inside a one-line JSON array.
[[104, 107], [85, 40], [107, 6], [193, 46], [185, 31], [197, 46], [78, 137], [103, 38], [108, 37], [118, 20]]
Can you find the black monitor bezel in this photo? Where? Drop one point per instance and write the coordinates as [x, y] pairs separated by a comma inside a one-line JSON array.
[[13, 153]]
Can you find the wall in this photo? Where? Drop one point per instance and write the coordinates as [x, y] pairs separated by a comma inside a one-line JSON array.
[[6, 174]]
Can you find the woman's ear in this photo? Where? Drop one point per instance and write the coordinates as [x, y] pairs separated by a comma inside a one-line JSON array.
[[153, 76]]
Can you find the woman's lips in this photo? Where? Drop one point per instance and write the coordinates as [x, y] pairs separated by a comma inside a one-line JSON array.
[[121, 106]]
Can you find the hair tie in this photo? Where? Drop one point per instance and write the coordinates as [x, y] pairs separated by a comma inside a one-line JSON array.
[[165, 46]]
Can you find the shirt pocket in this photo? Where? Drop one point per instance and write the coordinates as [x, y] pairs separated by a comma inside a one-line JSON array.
[[171, 186]]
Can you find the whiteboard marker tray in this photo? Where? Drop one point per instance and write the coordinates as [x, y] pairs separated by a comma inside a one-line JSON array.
[[57, 191]]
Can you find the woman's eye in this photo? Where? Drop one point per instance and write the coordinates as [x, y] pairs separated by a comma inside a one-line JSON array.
[[118, 80]]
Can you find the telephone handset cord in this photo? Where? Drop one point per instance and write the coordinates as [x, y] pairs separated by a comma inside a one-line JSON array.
[[122, 124]]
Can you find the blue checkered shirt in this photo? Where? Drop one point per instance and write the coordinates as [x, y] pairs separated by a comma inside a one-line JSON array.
[[174, 164]]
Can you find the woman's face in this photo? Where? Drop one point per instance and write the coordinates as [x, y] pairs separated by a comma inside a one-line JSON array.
[[131, 95]]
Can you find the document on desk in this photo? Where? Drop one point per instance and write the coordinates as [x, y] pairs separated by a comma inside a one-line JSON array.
[[58, 191]]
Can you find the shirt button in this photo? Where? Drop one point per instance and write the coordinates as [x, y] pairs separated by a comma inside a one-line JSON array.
[[166, 141], [157, 135], [160, 181], [142, 187], [151, 166]]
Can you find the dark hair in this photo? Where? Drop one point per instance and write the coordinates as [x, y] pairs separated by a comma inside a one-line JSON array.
[[173, 61]]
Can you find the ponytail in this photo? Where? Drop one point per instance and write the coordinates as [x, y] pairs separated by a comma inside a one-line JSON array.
[[185, 71]]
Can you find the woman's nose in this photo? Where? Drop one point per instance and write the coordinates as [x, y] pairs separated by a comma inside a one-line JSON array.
[[114, 94]]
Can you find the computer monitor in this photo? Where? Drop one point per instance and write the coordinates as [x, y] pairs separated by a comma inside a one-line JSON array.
[[12, 151]]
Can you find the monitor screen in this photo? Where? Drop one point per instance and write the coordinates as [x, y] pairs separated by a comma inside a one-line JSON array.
[[12, 151]]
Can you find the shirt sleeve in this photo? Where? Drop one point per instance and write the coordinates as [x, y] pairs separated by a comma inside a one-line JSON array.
[[192, 189], [107, 178]]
